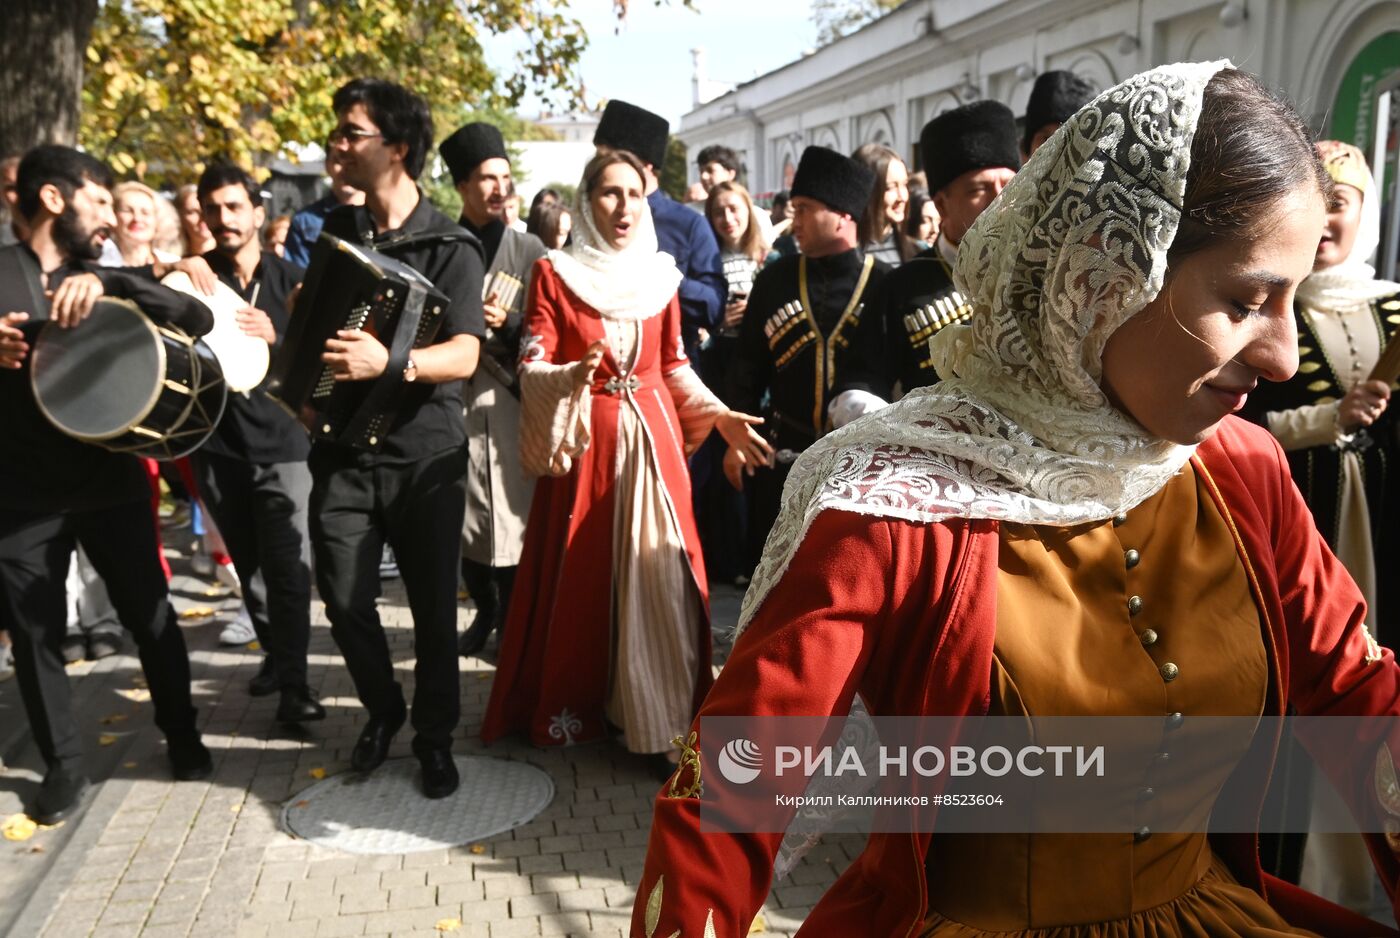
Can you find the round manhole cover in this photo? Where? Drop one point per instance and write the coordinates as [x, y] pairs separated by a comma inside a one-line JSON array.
[[384, 812]]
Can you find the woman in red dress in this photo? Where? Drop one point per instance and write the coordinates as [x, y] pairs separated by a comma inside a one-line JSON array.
[[612, 626], [1072, 524]]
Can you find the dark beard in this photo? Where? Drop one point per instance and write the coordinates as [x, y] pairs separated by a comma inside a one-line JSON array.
[[73, 240]]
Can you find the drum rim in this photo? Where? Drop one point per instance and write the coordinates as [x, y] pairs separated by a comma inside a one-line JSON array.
[[156, 386]]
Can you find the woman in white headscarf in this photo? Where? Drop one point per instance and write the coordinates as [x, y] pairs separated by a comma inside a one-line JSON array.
[[610, 625], [1073, 523]]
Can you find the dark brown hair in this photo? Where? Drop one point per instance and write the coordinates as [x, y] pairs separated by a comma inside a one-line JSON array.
[[1250, 150], [751, 242], [605, 158], [878, 158]]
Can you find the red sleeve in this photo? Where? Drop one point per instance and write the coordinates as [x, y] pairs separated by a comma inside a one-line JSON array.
[[802, 654], [672, 344], [539, 339], [1336, 668]]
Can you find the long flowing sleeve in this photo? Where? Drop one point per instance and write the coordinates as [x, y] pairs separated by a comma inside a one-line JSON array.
[[554, 415], [696, 405], [1302, 427]]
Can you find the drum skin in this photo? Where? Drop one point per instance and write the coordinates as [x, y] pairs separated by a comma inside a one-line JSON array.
[[123, 383], [243, 359]]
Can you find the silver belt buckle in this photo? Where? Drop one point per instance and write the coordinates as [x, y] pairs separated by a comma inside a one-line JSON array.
[[618, 385]]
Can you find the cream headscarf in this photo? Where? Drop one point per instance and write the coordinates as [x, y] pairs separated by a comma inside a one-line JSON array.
[[1020, 430], [1353, 281], [634, 283]]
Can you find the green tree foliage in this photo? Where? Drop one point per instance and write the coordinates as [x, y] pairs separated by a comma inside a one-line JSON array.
[[836, 18], [171, 83], [673, 171]]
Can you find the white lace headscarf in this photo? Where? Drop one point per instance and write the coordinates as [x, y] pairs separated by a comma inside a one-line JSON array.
[[1352, 282], [1020, 429], [634, 283]]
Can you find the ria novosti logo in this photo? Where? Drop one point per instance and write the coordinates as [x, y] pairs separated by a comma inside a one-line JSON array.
[[740, 761]]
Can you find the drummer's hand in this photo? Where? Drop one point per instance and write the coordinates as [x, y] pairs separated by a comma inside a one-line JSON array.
[[354, 355], [74, 299], [494, 314], [200, 273], [13, 348], [256, 323]]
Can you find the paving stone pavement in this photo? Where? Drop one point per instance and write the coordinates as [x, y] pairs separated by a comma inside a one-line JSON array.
[[159, 859]]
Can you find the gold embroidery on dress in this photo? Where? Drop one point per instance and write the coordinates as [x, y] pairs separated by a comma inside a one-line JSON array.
[[1373, 648], [653, 913], [1388, 794], [690, 759]]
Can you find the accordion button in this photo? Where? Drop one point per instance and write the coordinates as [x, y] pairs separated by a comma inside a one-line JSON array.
[[374, 441], [326, 428]]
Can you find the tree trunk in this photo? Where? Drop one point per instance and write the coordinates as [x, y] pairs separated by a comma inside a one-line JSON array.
[[42, 50]]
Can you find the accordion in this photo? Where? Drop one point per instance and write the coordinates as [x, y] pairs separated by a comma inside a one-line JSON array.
[[352, 287]]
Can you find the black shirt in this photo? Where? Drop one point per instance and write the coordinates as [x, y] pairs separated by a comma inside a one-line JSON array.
[[489, 235], [794, 354], [253, 428], [914, 303], [430, 419], [42, 470]]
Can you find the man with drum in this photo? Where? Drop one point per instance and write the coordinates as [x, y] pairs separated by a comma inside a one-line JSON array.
[[498, 490], [56, 492], [252, 471], [411, 493]]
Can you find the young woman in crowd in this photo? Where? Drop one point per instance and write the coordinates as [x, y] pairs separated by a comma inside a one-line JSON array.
[[882, 226], [138, 211], [553, 224], [922, 224], [617, 633], [1073, 523], [194, 233]]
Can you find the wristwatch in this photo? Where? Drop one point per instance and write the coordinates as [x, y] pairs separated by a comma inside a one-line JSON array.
[[410, 371]]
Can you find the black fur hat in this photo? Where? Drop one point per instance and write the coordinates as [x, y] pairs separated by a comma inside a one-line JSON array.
[[1054, 99], [471, 146], [975, 136], [628, 127], [837, 181]]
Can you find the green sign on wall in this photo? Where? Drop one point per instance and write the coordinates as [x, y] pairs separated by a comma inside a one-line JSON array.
[[1353, 113]]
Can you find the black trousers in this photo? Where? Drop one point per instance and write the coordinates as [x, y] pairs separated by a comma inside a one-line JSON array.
[[765, 495], [121, 544], [356, 506], [261, 513]]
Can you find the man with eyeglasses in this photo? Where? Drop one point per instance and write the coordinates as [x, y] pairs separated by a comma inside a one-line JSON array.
[[412, 493], [307, 223]]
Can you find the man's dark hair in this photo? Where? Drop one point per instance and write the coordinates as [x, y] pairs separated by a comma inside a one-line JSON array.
[[401, 116], [65, 168], [781, 198], [717, 153], [219, 175]]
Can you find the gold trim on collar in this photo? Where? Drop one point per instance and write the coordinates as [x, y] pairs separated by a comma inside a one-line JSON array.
[[826, 351]]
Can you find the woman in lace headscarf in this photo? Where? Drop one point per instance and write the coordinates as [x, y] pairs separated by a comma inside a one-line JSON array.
[[1073, 523], [612, 628]]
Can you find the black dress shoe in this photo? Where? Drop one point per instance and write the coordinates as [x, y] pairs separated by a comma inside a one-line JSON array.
[[473, 640], [265, 681], [59, 797], [189, 759], [103, 645], [298, 706], [440, 777], [373, 745]]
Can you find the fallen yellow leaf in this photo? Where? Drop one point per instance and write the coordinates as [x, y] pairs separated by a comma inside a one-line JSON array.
[[478, 849], [234, 808], [106, 739], [196, 612], [112, 718], [137, 694], [759, 926], [19, 827], [254, 645], [317, 773], [448, 924], [215, 591]]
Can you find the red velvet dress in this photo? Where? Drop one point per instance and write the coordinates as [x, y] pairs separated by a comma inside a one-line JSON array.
[[905, 614], [564, 648]]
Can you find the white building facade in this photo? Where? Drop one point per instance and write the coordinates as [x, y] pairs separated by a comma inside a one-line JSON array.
[[1338, 60]]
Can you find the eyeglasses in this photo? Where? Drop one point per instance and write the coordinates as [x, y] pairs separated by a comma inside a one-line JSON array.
[[348, 134]]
